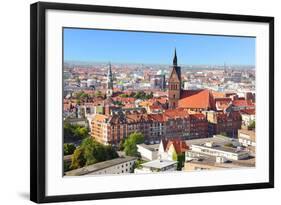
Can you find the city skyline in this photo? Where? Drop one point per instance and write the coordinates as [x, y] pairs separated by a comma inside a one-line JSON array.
[[91, 45], [140, 121]]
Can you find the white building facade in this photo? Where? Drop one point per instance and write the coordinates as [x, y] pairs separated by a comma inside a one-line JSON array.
[[147, 152], [226, 153]]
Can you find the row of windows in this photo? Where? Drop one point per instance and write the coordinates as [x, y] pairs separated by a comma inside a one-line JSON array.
[[174, 86]]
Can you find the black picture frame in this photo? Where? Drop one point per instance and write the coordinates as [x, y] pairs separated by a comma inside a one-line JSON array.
[[38, 100]]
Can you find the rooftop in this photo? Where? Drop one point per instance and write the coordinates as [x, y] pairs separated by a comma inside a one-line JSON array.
[[221, 148], [99, 166], [243, 103], [150, 148], [179, 145], [198, 99], [100, 117], [211, 161], [158, 164], [248, 112]]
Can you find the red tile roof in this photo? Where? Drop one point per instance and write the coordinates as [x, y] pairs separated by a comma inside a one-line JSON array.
[[234, 115], [248, 111], [197, 116], [155, 107], [156, 117], [161, 100], [179, 145], [242, 103], [197, 99], [125, 99], [223, 99], [222, 103], [176, 113]]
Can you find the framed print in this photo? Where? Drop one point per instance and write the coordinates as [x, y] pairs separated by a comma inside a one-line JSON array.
[[129, 102]]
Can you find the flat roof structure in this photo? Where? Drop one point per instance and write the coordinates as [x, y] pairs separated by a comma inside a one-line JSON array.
[[99, 166], [149, 147], [211, 161], [158, 164]]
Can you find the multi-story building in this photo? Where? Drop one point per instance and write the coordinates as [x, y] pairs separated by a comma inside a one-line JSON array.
[[100, 128], [158, 82], [219, 151], [241, 104], [224, 122], [172, 124], [248, 116], [147, 152], [214, 163], [119, 165], [247, 137], [198, 126], [176, 123], [111, 129], [190, 114]]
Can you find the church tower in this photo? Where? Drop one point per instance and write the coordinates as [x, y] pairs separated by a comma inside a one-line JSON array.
[[174, 89], [109, 82]]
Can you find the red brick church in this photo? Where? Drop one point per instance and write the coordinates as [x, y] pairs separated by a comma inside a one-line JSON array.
[[197, 100]]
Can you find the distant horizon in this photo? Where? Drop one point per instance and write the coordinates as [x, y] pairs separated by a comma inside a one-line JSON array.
[[139, 63], [130, 47]]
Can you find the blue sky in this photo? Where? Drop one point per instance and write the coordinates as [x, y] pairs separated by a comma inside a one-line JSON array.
[[156, 48]]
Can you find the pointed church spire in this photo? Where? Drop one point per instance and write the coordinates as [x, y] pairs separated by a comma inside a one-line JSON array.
[[175, 61], [109, 81], [109, 72]]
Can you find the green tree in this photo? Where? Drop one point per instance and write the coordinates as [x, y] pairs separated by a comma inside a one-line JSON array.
[[229, 145], [88, 146], [181, 160], [74, 132], [77, 159], [130, 145], [81, 97], [138, 163], [149, 96], [91, 152], [98, 94], [252, 125], [80, 132], [68, 148], [175, 156], [119, 103], [66, 166], [123, 95]]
